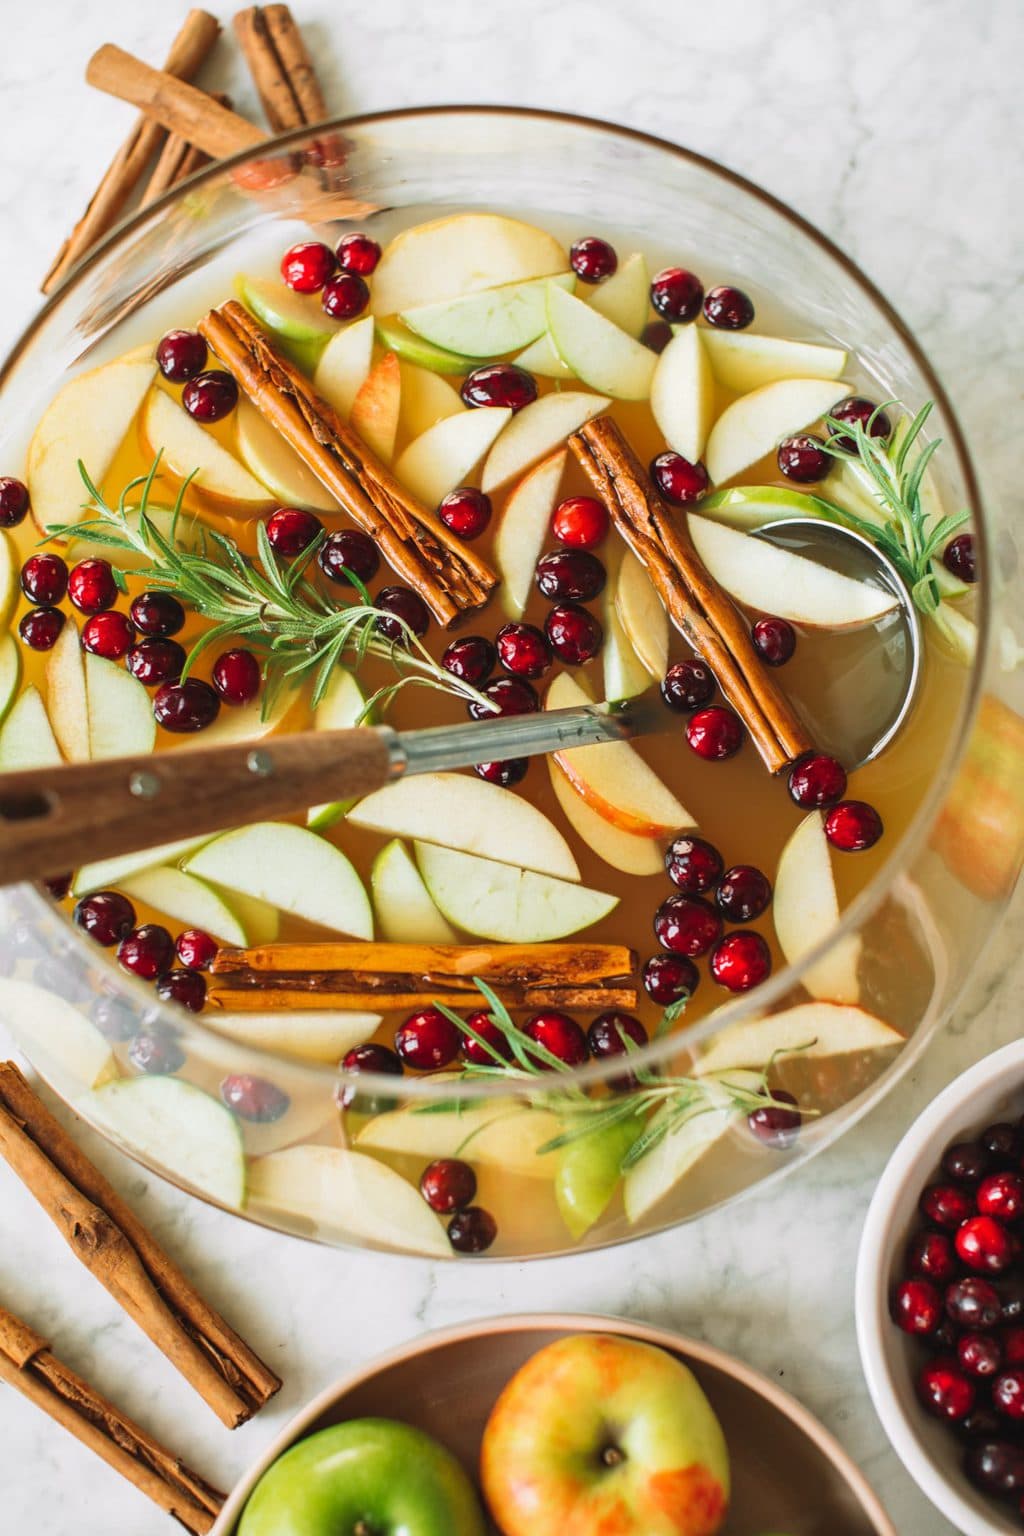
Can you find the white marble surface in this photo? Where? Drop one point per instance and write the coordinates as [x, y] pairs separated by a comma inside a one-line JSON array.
[[894, 130]]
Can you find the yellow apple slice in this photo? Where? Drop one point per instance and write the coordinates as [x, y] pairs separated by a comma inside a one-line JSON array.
[[344, 365], [541, 357], [642, 614], [503, 1132], [26, 736], [459, 254], [624, 673], [670, 1160], [188, 901], [177, 1127], [447, 453], [243, 722], [754, 425], [812, 1029], [805, 910], [535, 431], [275, 464], [625, 298], [512, 906], [10, 590], [742, 361], [107, 872], [468, 814], [186, 446], [683, 393], [426, 398], [375, 408], [71, 1044], [405, 912], [340, 707], [775, 580], [524, 528], [121, 722], [10, 673], [622, 850], [87, 419], [261, 921], [613, 779], [598, 352], [66, 698], [489, 323], [308, 1034]]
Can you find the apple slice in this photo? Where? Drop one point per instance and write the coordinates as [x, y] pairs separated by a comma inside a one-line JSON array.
[[622, 850], [177, 1128], [541, 357], [347, 1193], [275, 464], [121, 722], [748, 507], [45, 1023], [447, 453], [742, 361], [805, 910], [244, 722], [775, 580], [375, 408], [598, 352], [344, 365], [489, 323], [668, 1162], [418, 350], [10, 590], [26, 736], [812, 1029], [624, 673], [683, 393], [470, 815], [642, 614], [341, 706], [537, 430], [613, 779], [261, 921], [625, 299], [524, 529], [186, 446], [512, 906], [959, 633], [108, 872], [426, 399], [589, 1173], [66, 697], [754, 425], [308, 1034], [87, 419], [504, 1132], [10, 673], [405, 912], [458, 254], [188, 901], [296, 316]]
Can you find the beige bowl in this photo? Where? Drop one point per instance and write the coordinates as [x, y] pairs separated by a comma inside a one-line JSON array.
[[789, 1474]]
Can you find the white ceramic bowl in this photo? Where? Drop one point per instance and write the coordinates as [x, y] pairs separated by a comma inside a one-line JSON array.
[[991, 1090]]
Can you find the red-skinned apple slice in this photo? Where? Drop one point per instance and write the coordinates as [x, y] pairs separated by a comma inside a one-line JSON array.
[[622, 850], [535, 431], [754, 425], [810, 1029], [446, 454], [375, 408], [597, 351], [524, 529], [642, 614], [743, 360], [344, 365], [683, 393], [624, 298], [805, 910], [186, 447], [460, 254]]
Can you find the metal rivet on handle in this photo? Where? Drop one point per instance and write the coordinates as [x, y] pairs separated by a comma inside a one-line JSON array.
[[260, 763], [145, 785]]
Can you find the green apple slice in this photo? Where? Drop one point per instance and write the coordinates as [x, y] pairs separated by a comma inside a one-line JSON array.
[[405, 912], [753, 426], [375, 408], [10, 673], [447, 453], [188, 901], [805, 910], [589, 1173], [26, 736], [625, 298], [642, 614], [459, 254], [512, 906], [417, 349], [10, 590], [67, 702], [347, 1193], [121, 722], [491, 322], [309, 1035], [670, 1160], [297, 316], [812, 1029], [536, 431], [340, 707], [344, 365], [627, 851], [261, 921], [471, 816], [426, 399], [291, 868], [683, 393], [959, 633], [275, 464], [177, 1128], [524, 529], [187, 447], [598, 352], [742, 361], [747, 507], [105, 873], [502, 1132], [42, 1022], [541, 357]]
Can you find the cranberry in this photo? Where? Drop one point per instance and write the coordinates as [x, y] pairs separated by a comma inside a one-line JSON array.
[[156, 661], [13, 501], [679, 481], [508, 772], [236, 676], [40, 628], [210, 396], [44, 579], [944, 1389], [345, 296], [984, 1244], [973, 1303], [1011, 1297], [91, 586], [512, 695], [687, 925], [465, 512], [187, 988], [180, 355], [185, 707], [146, 951], [958, 558], [945, 1205], [472, 1230], [774, 640], [817, 780], [656, 335], [1002, 1196], [307, 266], [1002, 1142], [347, 553], [114, 1018], [503, 384], [472, 659], [368, 1058], [574, 634], [714, 733], [523, 650], [254, 1098], [1008, 1393], [483, 1025], [291, 530], [979, 1354], [740, 961], [693, 864], [157, 1052], [1012, 1344], [427, 1040], [803, 458], [575, 575], [965, 1161], [448, 1185], [676, 294], [357, 253], [856, 411], [687, 685], [157, 613], [581, 522], [743, 893], [609, 1032], [669, 978], [592, 259], [402, 609], [110, 634], [195, 949], [931, 1254], [853, 825], [775, 1124], [559, 1035], [996, 1466], [106, 916], [57, 886]]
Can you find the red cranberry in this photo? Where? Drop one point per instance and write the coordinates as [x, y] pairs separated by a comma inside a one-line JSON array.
[[114, 1018], [730, 309], [472, 1230], [1002, 1196], [958, 558], [917, 1307], [774, 640], [575, 636], [345, 296], [523, 650], [1002, 1142], [743, 893], [944, 1389], [351, 552], [817, 780], [693, 864], [741, 960], [236, 676], [378, 1059], [973, 1303], [775, 1124], [91, 586], [512, 695], [106, 916], [157, 613], [656, 335], [573, 575], [853, 825], [291, 530], [448, 1185], [13, 501], [592, 259], [427, 1040], [856, 411], [560, 1036], [195, 949], [1012, 1344], [687, 925], [307, 266], [146, 951], [472, 659], [581, 522], [110, 634], [186, 707], [687, 685], [979, 1354], [980, 1423], [1011, 1297], [254, 1098], [465, 512], [676, 294], [40, 628], [402, 609], [984, 1244], [156, 661], [1008, 1393], [803, 458], [714, 733], [679, 481], [945, 1205], [483, 1025], [180, 355], [357, 253], [57, 886], [931, 1254], [605, 1037], [669, 978], [157, 1052], [186, 988], [508, 772], [967, 1162], [504, 384], [996, 1466], [210, 396], [44, 579]]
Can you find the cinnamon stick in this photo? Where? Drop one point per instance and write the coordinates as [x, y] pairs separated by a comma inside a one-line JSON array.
[[197, 35], [696, 604], [28, 1365], [175, 105], [107, 1236], [450, 578], [177, 160], [284, 76]]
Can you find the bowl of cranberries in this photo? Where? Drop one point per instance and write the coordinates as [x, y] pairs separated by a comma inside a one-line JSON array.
[[940, 1298]]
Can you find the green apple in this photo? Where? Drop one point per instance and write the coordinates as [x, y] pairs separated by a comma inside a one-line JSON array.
[[405, 912], [374, 414], [536, 431], [295, 316], [447, 453], [187, 449], [542, 357], [625, 298], [188, 901], [10, 673], [602, 1433], [48, 1025], [512, 906], [753, 426], [743, 360], [309, 1034], [344, 364], [683, 393], [276, 464], [460, 254], [417, 349], [10, 590], [26, 736], [67, 702], [597, 351], [364, 1476], [503, 1133], [107, 872], [121, 722], [427, 398], [747, 507], [491, 322], [589, 1173], [524, 530], [176, 1127], [813, 1029], [805, 910], [340, 707]]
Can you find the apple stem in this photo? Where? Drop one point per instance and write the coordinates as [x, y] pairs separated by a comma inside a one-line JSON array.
[[612, 1456]]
